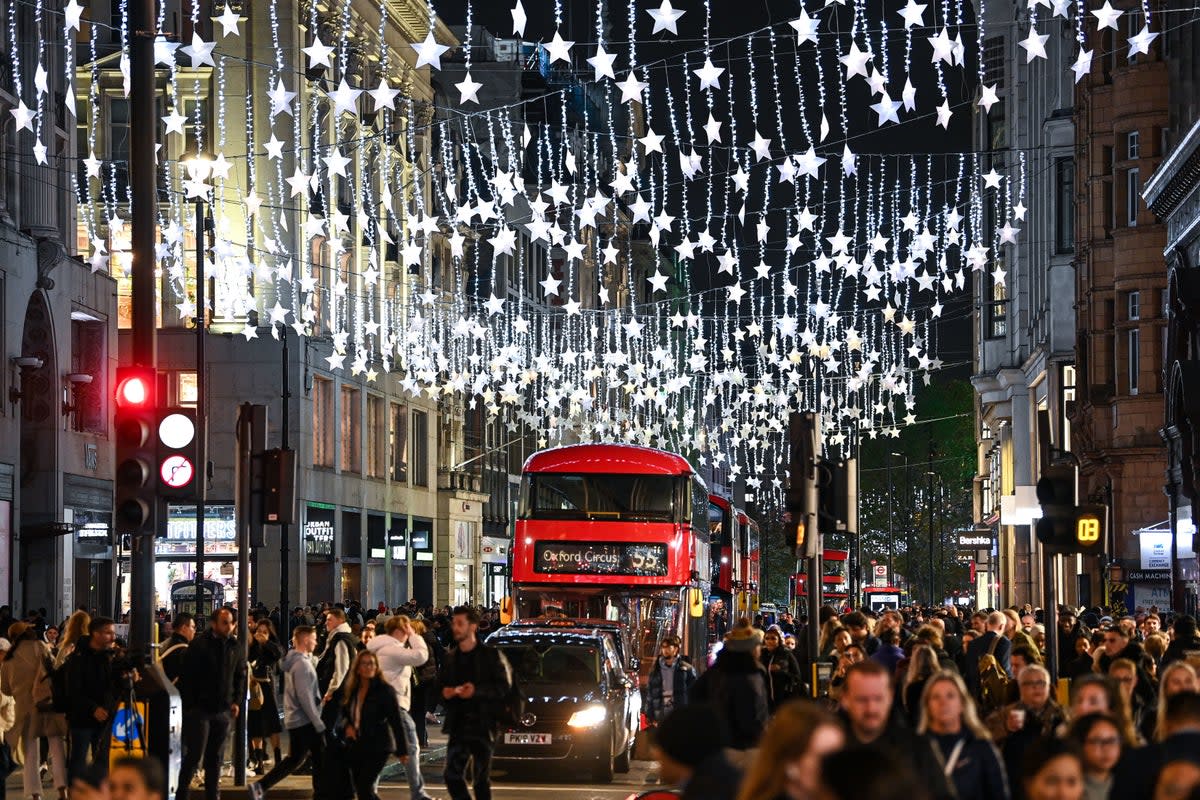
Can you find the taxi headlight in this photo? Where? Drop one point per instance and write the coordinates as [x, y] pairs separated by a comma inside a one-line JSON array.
[[588, 717]]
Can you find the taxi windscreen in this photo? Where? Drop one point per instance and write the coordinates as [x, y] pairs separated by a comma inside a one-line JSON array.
[[553, 663]]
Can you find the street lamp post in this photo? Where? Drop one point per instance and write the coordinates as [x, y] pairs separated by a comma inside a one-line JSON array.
[[199, 167]]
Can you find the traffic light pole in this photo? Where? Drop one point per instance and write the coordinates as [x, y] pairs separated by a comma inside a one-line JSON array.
[[285, 615], [143, 223], [1050, 612], [201, 415]]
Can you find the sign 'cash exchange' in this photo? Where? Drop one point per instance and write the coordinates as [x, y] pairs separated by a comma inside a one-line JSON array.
[[601, 558]]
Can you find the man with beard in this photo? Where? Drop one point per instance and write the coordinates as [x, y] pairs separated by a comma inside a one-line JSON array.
[[475, 679]]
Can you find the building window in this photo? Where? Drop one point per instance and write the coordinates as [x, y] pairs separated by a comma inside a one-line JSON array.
[[1133, 145], [996, 301], [398, 443], [1068, 396], [1135, 305], [1134, 358], [376, 430], [420, 448], [1064, 235], [322, 421], [1133, 187], [89, 356], [351, 425], [993, 61]]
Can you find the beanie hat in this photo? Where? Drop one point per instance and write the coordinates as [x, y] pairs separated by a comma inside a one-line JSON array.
[[743, 639], [690, 734]]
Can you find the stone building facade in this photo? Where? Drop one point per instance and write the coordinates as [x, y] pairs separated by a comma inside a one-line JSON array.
[[1121, 110]]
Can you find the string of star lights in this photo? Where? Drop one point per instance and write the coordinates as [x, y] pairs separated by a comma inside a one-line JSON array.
[[673, 251]]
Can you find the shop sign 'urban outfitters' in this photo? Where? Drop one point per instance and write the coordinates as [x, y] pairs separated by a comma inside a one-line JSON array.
[[601, 558]]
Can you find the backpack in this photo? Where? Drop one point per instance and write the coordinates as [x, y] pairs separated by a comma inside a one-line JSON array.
[[993, 680]]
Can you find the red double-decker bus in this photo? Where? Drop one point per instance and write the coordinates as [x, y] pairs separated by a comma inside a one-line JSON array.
[[725, 559], [835, 589], [619, 533], [751, 545]]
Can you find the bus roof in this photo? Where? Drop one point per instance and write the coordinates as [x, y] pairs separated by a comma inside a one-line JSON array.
[[608, 459], [717, 499]]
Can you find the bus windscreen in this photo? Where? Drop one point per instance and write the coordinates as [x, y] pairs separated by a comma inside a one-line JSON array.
[[641, 498]]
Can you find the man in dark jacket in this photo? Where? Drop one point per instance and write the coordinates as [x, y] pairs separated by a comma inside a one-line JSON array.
[[736, 687], [475, 680], [688, 747], [992, 641], [340, 648], [183, 630], [213, 685], [1137, 772], [670, 681], [93, 690], [866, 709]]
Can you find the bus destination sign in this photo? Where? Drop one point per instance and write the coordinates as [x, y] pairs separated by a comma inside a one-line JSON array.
[[600, 558]]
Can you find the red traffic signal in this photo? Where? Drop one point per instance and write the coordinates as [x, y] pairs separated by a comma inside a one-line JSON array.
[[135, 501], [135, 388]]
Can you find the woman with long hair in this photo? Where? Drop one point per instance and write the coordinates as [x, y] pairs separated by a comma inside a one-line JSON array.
[[922, 665], [20, 673], [785, 680], [75, 629], [786, 766], [262, 723], [1101, 744], [1099, 694], [368, 720], [962, 746], [828, 631], [1177, 676]]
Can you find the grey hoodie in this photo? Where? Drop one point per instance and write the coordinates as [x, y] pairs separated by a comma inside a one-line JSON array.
[[301, 699]]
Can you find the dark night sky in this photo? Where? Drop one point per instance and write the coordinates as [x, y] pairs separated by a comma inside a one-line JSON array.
[[737, 19]]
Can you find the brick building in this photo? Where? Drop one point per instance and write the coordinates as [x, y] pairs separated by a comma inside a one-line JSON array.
[[1121, 110]]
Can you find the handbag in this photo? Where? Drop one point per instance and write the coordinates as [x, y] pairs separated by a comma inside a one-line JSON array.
[[256, 691]]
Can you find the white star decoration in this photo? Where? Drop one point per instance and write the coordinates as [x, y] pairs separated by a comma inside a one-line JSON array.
[[429, 52], [665, 17]]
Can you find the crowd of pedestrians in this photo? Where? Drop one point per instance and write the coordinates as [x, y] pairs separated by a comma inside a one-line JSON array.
[[912, 703], [935, 704]]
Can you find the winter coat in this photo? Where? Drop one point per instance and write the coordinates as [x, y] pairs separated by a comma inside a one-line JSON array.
[[902, 744], [978, 773], [301, 699], [785, 682], [713, 779], [214, 673], [26, 664], [1145, 667], [736, 686], [977, 649], [172, 663], [396, 662], [488, 669], [379, 729], [92, 683], [684, 677]]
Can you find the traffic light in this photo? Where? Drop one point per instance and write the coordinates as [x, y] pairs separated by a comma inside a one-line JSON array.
[[1066, 527], [178, 466], [837, 486], [279, 487], [804, 434], [134, 424]]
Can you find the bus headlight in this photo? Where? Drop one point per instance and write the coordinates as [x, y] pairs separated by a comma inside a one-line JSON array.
[[588, 717]]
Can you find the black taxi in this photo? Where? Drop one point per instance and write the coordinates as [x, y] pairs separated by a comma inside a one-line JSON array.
[[581, 707]]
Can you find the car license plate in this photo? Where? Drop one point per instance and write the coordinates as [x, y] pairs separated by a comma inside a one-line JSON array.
[[527, 738]]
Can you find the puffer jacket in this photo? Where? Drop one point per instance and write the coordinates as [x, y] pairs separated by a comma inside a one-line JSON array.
[[736, 687]]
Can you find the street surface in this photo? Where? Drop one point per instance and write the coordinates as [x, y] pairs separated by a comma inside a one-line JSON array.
[[539, 783]]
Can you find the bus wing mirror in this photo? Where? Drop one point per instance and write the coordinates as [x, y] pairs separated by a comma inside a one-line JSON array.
[[695, 603], [506, 610]]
